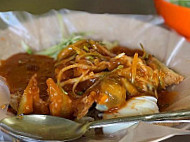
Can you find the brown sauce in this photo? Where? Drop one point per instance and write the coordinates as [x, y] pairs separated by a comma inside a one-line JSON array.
[[19, 68], [165, 99], [115, 109]]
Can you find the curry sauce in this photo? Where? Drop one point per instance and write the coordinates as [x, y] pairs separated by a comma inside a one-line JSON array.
[[19, 68]]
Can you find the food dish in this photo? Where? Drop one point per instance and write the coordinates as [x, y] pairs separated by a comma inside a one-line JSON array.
[[86, 75]]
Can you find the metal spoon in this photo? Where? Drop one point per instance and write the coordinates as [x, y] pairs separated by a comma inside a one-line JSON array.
[[44, 127]]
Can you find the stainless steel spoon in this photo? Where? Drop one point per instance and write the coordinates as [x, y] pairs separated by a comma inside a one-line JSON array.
[[44, 127]]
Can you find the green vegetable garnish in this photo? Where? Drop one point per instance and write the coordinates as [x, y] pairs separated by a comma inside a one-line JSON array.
[[185, 3], [79, 93], [119, 67], [145, 55], [26, 47], [86, 48], [54, 50], [63, 91], [89, 58]]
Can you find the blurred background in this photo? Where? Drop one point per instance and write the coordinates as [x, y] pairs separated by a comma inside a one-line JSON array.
[[176, 13], [93, 6]]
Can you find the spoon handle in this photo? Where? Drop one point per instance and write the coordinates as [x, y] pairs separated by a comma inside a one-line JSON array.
[[158, 117]]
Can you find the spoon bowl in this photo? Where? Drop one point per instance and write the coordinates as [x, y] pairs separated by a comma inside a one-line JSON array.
[[48, 128], [43, 127]]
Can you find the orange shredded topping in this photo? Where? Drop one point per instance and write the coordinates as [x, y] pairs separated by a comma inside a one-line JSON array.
[[134, 67], [103, 99]]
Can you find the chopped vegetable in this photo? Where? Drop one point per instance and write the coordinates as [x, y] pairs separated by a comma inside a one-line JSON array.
[[55, 50], [145, 55], [185, 3], [80, 92], [134, 67], [85, 48], [26, 47]]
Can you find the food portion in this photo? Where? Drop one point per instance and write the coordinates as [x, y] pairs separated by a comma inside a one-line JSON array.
[[18, 71], [86, 77]]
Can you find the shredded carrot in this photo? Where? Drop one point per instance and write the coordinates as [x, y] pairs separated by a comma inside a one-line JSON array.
[[103, 99], [134, 67]]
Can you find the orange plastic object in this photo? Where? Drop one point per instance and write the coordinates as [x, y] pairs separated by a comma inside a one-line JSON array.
[[176, 17]]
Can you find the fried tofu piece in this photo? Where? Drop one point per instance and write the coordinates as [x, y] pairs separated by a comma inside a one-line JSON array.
[[170, 77]]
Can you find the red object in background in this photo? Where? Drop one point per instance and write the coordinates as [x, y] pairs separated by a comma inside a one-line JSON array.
[[176, 17]]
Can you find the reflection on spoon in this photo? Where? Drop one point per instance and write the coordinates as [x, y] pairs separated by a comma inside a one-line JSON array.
[[44, 127]]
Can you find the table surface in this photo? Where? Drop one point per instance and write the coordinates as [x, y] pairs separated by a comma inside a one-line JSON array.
[[93, 6]]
